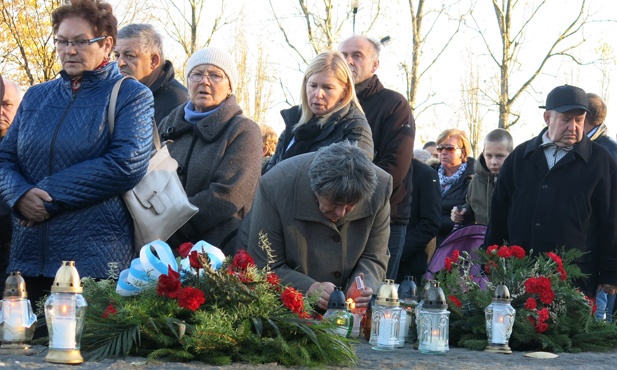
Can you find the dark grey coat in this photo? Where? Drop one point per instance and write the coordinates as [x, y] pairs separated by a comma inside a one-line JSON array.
[[219, 164]]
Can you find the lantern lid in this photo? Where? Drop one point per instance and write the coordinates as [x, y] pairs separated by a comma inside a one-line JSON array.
[[407, 289], [502, 294], [15, 286], [435, 298], [337, 300], [387, 294], [67, 279]]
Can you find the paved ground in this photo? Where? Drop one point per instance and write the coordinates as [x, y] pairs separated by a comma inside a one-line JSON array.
[[405, 358]]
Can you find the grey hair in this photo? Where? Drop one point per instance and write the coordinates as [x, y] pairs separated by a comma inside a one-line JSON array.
[[343, 173], [149, 40]]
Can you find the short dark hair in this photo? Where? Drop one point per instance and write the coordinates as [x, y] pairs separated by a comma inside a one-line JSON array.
[[597, 107], [500, 136], [429, 143], [98, 13], [343, 173]]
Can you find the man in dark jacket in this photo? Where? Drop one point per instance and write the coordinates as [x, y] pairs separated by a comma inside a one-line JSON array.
[[139, 52], [389, 115], [559, 189], [595, 129], [424, 221], [10, 97]]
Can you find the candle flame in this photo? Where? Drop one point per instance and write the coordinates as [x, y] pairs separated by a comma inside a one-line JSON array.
[[64, 309], [435, 332], [351, 303], [500, 319]]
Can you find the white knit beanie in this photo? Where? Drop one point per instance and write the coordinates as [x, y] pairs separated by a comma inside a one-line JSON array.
[[217, 57]]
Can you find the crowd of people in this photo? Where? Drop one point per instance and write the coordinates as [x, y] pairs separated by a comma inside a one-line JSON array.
[[340, 194]]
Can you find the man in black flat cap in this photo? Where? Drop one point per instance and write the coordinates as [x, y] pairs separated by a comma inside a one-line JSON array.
[[559, 189]]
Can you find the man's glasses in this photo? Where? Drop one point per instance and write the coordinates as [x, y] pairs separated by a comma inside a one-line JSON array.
[[211, 76], [447, 148], [78, 44]]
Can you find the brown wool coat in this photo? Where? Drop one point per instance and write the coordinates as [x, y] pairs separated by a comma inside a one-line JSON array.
[[306, 246]]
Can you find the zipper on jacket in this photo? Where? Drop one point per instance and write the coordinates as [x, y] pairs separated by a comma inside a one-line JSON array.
[[43, 255]]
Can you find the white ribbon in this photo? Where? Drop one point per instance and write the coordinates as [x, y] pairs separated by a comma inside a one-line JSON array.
[[148, 267]]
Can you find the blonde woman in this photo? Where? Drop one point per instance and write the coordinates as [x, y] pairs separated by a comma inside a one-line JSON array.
[[330, 111]]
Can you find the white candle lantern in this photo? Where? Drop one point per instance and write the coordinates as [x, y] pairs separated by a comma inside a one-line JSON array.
[[407, 295], [433, 322], [499, 321], [65, 311], [17, 321], [338, 313], [386, 318]]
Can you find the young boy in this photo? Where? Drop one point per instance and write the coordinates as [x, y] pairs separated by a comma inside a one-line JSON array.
[[497, 146]]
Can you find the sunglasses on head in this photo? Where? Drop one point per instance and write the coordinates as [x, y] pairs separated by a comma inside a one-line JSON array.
[[447, 148]]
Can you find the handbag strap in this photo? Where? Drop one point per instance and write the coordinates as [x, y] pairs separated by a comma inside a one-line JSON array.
[[111, 112]]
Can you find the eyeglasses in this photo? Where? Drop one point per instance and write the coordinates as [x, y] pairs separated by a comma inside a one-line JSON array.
[[77, 44], [211, 76], [447, 148]]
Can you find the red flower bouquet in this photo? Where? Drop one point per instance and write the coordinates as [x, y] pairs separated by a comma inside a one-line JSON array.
[[551, 314]]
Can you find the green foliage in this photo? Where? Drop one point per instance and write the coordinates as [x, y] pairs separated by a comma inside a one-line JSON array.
[[570, 326], [242, 319]]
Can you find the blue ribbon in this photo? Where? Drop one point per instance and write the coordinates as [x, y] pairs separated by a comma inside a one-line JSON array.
[[146, 269]]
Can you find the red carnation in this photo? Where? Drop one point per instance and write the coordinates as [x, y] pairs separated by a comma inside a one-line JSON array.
[[542, 327], [504, 252], [273, 279], [292, 299], [547, 296], [109, 311], [455, 301], [559, 263], [194, 260], [191, 298], [455, 255], [543, 315], [517, 251], [169, 285], [489, 266], [448, 263], [242, 260], [490, 250], [184, 249], [531, 304]]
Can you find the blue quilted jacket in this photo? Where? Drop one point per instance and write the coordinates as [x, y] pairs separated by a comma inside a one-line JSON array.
[[60, 142]]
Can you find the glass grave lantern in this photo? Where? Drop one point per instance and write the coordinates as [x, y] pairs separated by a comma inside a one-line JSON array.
[[499, 317], [433, 322], [338, 313], [17, 321], [65, 311], [386, 318]]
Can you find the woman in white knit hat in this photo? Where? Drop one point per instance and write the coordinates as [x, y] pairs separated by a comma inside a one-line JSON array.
[[329, 113], [217, 148]]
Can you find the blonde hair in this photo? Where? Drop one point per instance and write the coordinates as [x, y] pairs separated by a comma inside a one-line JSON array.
[[461, 136], [335, 63], [269, 140]]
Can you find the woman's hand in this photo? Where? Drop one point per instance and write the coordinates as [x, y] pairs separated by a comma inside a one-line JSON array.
[[324, 289], [32, 206], [360, 295]]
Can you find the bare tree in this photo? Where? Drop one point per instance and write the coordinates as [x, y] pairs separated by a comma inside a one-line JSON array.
[[254, 91], [322, 22], [512, 31], [27, 52], [421, 37], [183, 19], [471, 107]]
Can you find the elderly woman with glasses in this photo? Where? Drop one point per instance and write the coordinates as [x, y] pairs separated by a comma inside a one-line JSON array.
[[455, 171], [330, 111], [62, 171], [218, 150]]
